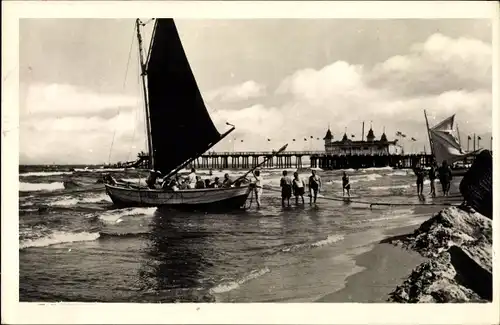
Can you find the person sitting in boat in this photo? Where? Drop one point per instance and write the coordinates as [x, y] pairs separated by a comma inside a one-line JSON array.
[[207, 183], [199, 183], [151, 180], [216, 183], [227, 181], [191, 179]]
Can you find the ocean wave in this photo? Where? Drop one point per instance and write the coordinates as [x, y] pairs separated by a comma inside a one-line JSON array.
[[41, 174], [229, 286], [330, 239], [63, 201], [114, 216], [96, 198], [378, 188], [398, 173], [32, 187], [58, 237], [364, 170]]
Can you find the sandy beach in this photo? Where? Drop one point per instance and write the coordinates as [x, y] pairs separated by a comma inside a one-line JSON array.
[[385, 267]]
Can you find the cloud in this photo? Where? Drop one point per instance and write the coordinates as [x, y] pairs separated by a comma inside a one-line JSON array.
[[75, 125], [443, 75], [247, 90], [439, 64]]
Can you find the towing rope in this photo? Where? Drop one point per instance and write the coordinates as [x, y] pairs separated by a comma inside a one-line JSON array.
[[343, 199]]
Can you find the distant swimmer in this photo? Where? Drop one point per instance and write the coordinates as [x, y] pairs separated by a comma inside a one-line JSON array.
[[346, 186], [432, 178], [298, 188], [445, 177], [286, 188], [258, 187], [314, 186]]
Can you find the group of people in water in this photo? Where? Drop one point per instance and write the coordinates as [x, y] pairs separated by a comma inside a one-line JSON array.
[[191, 181], [295, 186], [443, 173]]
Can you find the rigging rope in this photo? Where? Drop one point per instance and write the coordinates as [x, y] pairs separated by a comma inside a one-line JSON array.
[[123, 86], [343, 199]]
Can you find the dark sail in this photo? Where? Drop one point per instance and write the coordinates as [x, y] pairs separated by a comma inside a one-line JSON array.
[[181, 127]]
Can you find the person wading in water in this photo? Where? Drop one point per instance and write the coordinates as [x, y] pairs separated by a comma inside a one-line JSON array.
[[298, 188], [314, 186], [346, 186], [286, 188], [258, 187], [420, 180], [445, 177], [432, 178]]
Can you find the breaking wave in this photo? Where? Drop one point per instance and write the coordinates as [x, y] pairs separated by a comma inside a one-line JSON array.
[[31, 187], [114, 216], [58, 237], [382, 188], [231, 285], [320, 243], [41, 174]]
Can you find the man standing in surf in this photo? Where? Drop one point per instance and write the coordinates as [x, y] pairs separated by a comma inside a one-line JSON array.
[[298, 188], [314, 186], [286, 188], [346, 186], [258, 187]]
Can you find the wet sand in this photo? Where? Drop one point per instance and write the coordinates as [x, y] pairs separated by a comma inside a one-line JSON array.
[[386, 267]]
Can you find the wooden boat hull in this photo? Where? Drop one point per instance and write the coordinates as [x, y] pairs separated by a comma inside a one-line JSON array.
[[195, 199]]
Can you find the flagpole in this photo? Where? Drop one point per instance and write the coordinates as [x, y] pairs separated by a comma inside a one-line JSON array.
[[429, 134]]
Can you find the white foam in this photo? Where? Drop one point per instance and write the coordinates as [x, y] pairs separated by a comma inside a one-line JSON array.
[[96, 198], [44, 174], [228, 286], [329, 240], [381, 188], [59, 237], [113, 216], [398, 173], [64, 201], [27, 187]]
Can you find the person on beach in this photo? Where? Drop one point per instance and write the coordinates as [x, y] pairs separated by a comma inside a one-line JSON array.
[[445, 177], [419, 172], [346, 186], [314, 186], [432, 178], [286, 188], [298, 188], [258, 187]]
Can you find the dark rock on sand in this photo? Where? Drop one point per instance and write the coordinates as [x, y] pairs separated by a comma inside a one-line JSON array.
[[476, 185], [459, 243]]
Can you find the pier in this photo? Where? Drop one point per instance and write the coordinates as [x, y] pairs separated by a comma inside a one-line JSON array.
[[297, 159]]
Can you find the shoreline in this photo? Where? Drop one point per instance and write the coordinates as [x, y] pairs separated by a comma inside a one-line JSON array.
[[378, 276]]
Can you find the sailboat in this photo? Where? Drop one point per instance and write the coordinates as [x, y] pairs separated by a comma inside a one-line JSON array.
[[179, 128], [445, 145]]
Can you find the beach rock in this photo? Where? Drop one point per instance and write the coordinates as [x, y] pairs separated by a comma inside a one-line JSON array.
[[477, 184], [451, 226], [458, 243]]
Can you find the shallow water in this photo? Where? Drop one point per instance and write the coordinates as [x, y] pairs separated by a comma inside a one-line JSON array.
[[75, 246]]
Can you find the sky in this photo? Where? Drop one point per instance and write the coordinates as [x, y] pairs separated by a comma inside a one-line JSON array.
[[278, 79]]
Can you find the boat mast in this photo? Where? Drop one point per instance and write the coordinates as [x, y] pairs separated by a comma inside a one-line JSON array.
[[138, 24], [429, 134]]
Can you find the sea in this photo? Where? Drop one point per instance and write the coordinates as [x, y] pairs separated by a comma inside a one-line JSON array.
[[75, 246]]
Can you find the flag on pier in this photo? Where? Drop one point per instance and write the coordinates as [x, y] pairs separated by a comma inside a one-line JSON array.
[[353, 136], [413, 139], [268, 139], [469, 138], [478, 137]]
